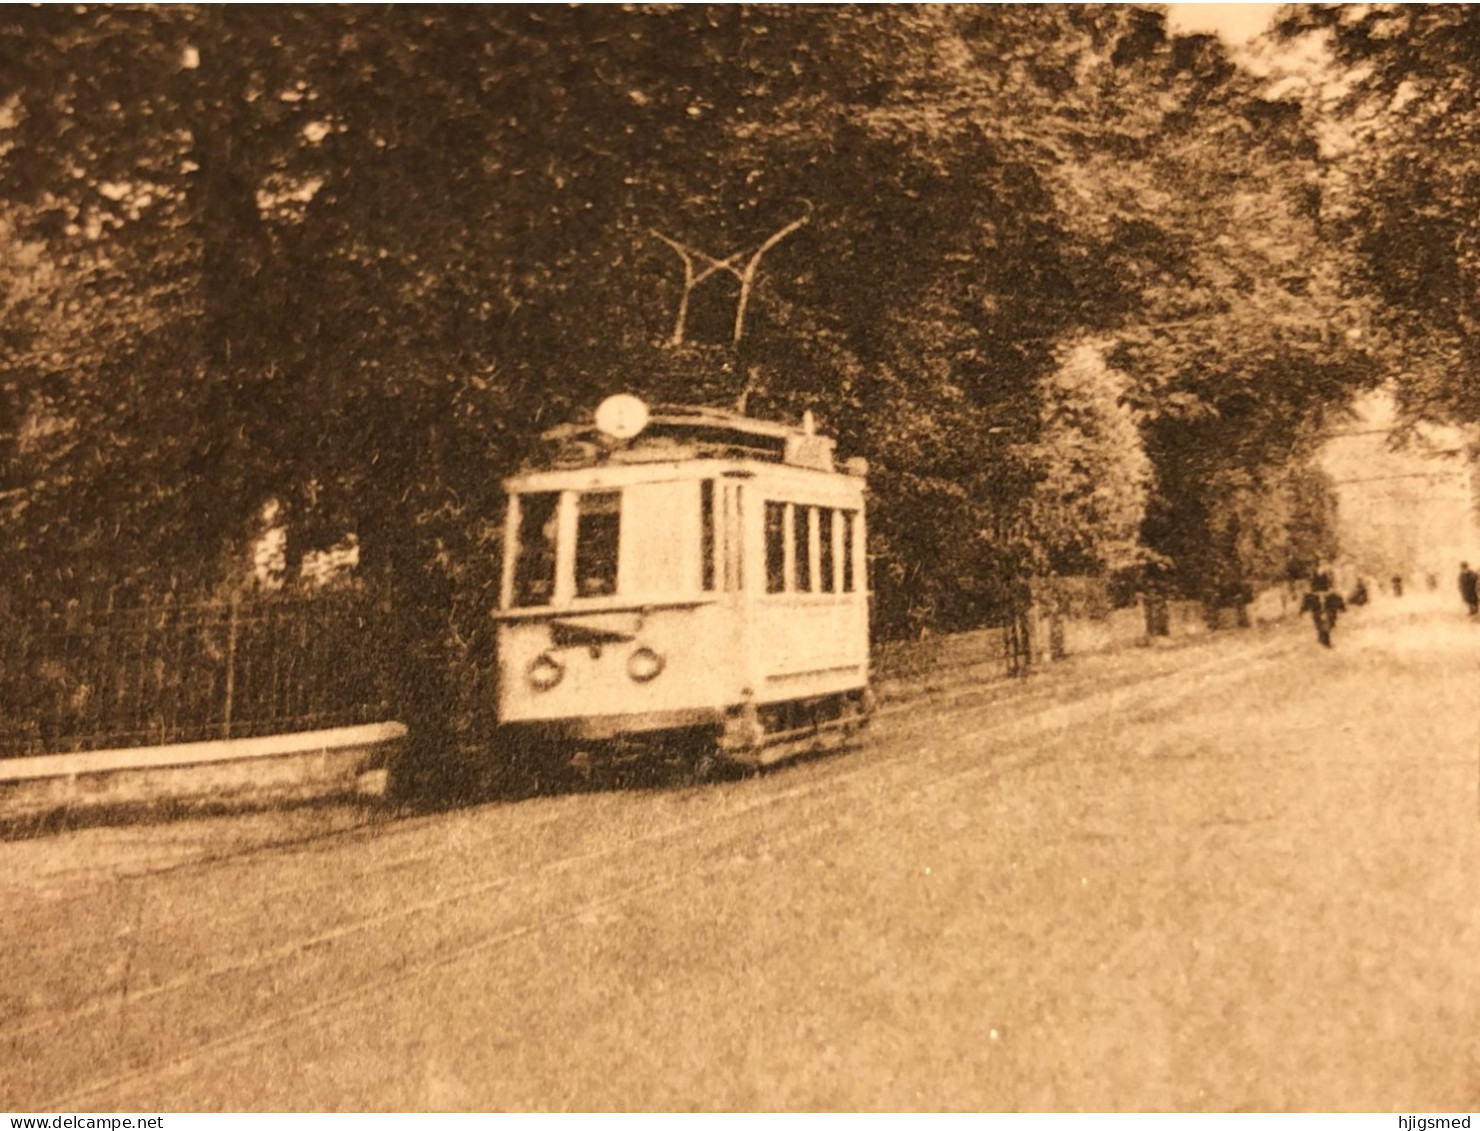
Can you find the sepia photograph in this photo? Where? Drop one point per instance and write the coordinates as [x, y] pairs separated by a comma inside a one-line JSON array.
[[733, 558]]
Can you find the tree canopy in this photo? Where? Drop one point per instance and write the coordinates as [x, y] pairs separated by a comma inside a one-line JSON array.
[[1066, 279], [1397, 109]]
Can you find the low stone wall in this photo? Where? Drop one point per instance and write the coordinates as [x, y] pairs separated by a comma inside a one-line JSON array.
[[1120, 628], [244, 771], [903, 668], [1125, 627], [1275, 604], [1190, 618]]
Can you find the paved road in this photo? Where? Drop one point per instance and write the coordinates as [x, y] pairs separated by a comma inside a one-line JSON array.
[[1239, 875]]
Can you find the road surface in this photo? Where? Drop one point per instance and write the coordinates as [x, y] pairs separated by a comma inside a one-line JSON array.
[[1238, 875]]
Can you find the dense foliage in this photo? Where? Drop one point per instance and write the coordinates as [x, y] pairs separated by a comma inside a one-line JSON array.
[[1397, 107], [1062, 277]]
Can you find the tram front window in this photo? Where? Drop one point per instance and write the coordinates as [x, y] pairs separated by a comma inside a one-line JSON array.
[[598, 542], [534, 567]]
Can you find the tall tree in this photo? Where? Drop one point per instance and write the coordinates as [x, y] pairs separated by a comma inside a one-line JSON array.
[[349, 260], [1398, 107]]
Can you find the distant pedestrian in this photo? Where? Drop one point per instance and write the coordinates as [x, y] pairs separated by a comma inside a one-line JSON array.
[[1323, 605], [1469, 587], [1397, 586], [1359, 596]]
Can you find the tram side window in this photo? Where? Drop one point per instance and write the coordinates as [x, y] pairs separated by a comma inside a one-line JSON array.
[[801, 525], [826, 562], [849, 525], [598, 542], [534, 567], [706, 534], [734, 547], [735, 541], [775, 547]]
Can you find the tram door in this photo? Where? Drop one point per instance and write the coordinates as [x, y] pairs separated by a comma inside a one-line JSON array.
[[730, 571]]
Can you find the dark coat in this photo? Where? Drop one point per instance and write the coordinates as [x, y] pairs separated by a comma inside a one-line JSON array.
[[1469, 586], [1325, 607]]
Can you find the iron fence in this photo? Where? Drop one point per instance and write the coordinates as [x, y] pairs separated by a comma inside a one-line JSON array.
[[88, 679]]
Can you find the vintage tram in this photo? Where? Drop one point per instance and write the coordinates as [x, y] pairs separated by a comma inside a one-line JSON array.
[[683, 578]]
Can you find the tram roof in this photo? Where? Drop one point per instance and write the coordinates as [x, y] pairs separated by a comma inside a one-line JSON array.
[[694, 432]]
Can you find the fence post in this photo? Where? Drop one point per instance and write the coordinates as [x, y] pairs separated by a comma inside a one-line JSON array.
[[233, 621], [1017, 641]]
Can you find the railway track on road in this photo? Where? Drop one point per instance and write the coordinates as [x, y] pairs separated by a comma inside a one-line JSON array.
[[397, 945]]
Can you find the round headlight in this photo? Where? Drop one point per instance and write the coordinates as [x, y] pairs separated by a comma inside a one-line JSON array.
[[545, 671], [621, 416], [645, 664]]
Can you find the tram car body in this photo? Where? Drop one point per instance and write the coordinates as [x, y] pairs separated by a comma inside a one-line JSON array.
[[689, 574]]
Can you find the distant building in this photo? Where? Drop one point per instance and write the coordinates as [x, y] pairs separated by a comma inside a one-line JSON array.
[[1407, 512]]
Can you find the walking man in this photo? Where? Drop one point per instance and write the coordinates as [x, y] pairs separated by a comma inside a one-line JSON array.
[[1469, 587], [1323, 606]]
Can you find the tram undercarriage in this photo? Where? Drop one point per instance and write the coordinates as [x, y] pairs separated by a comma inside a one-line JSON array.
[[694, 744]]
